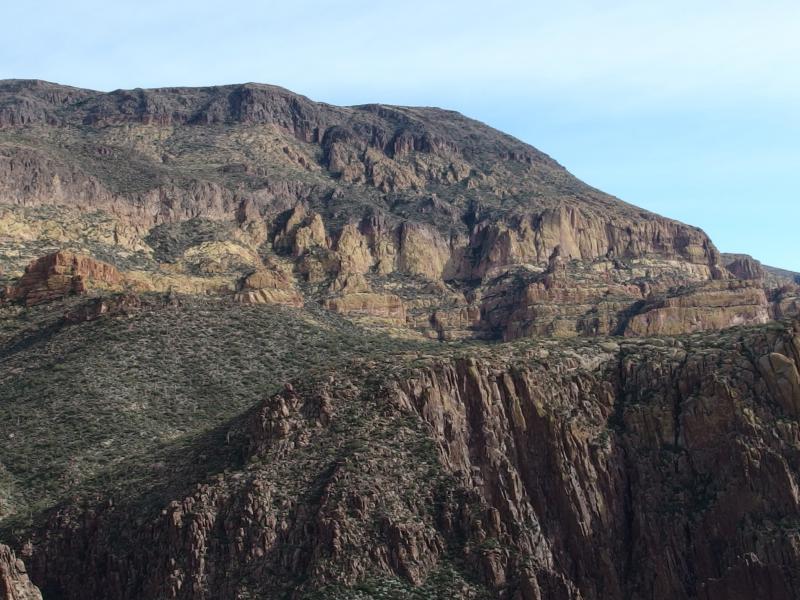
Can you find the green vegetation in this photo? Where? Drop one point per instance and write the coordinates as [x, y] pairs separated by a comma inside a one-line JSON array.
[[170, 240], [446, 582], [36, 231], [77, 400]]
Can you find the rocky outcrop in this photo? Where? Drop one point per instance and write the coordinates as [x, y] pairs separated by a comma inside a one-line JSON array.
[[743, 266], [423, 251], [780, 374], [628, 467], [579, 234], [25, 232], [215, 258], [566, 298], [455, 323], [786, 302], [285, 545], [14, 582], [300, 232], [355, 200], [643, 469], [707, 308], [123, 304], [62, 274], [353, 251], [33, 102], [272, 284], [388, 307], [126, 164]]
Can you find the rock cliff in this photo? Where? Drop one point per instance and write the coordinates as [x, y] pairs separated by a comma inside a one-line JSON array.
[[62, 274], [364, 208], [14, 582], [625, 470]]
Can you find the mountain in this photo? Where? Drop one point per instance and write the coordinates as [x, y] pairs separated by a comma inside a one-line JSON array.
[[255, 346]]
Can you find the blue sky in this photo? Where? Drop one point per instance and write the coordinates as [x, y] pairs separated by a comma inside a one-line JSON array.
[[689, 109]]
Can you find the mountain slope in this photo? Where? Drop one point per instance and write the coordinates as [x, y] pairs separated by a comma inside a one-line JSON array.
[[259, 142], [661, 468], [256, 346], [418, 217]]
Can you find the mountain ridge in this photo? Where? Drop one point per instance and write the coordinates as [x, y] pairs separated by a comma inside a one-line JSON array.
[[343, 202], [257, 346]]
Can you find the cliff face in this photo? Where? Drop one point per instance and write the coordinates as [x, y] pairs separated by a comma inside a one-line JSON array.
[[14, 582], [407, 218], [710, 308], [146, 137], [643, 509], [633, 470], [134, 154], [61, 274], [409, 276]]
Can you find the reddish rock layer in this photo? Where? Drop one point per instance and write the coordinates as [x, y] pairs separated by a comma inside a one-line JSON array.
[[62, 274]]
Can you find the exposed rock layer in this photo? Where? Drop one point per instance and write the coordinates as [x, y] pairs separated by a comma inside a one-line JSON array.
[[62, 274], [14, 582], [351, 200], [709, 308]]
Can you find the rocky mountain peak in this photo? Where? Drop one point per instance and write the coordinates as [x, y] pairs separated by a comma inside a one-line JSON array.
[[257, 346]]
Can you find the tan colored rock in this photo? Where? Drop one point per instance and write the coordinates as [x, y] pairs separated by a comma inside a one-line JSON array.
[[68, 226], [786, 302], [780, 373], [564, 300], [384, 306], [318, 265], [212, 258], [14, 582], [422, 252], [745, 267], [310, 235], [267, 278], [585, 235], [302, 231], [456, 323], [387, 175], [296, 217], [281, 297], [353, 163], [352, 248], [349, 283], [167, 280], [707, 309], [270, 285]]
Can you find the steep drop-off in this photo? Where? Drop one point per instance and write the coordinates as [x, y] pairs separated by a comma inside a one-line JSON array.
[[635, 470]]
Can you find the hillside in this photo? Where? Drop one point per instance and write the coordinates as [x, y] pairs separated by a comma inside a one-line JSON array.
[[255, 346]]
